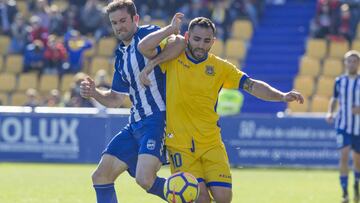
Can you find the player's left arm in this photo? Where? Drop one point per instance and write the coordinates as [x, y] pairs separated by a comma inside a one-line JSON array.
[[262, 90], [168, 53]]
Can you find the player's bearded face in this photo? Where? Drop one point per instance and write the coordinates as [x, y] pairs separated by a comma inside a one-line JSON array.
[[352, 64], [200, 41], [124, 26]]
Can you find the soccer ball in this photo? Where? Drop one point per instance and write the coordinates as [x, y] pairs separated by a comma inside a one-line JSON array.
[[181, 188]]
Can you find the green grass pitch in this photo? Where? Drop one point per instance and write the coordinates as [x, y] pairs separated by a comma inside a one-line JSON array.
[[68, 183]]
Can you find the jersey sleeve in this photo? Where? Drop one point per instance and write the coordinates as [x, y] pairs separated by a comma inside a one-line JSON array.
[[118, 84], [234, 78], [336, 89], [147, 29]]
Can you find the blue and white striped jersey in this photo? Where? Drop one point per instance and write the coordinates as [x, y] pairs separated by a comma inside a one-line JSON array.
[[347, 92], [129, 62]]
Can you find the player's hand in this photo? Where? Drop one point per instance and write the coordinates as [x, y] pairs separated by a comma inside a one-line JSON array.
[[329, 118], [87, 88], [293, 96], [144, 74], [176, 23], [356, 110]]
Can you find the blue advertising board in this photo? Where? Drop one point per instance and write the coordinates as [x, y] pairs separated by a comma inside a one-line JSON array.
[[271, 141], [250, 140]]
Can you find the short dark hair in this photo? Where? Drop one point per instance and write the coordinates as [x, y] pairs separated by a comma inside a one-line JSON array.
[[115, 5], [202, 22]]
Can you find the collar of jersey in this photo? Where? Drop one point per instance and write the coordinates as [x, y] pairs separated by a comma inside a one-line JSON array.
[[194, 60]]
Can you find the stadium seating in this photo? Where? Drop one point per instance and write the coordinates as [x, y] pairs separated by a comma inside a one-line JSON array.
[[4, 99], [316, 48], [325, 86], [8, 82], [158, 22], [332, 67], [218, 48], [297, 107], [66, 82], [242, 29], [309, 66], [235, 62], [48, 82], [14, 64], [28, 80], [106, 47], [305, 85], [18, 99], [99, 63], [319, 104], [338, 49], [356, 45], [235, 48], [4, 44], [2, 65]]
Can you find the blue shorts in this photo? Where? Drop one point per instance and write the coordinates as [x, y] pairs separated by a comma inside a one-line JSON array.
[[146, 136], [344, 139]]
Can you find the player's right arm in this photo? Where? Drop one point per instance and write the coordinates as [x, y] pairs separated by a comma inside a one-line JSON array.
[[108, 98], [333, 103]]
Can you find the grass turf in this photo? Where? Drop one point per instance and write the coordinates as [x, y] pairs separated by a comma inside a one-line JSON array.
[[70, 183]]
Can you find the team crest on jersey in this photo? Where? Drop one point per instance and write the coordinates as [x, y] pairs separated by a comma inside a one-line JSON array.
[[170, 135], [209, 70], [151, 144]]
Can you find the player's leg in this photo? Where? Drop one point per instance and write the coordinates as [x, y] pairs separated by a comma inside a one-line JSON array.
[[204, 196], [151, 153], [356, 161], [186, 161], [117, 157], [344, 144], [217, 173], [104, 177]]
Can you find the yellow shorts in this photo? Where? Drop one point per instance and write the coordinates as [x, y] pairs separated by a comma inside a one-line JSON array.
[[209, 164]]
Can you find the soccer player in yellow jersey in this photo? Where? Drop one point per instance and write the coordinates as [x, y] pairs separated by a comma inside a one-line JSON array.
[[193, 81]]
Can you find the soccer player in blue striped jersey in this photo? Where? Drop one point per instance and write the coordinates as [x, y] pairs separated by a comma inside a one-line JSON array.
[[138, 148], [347, 120]]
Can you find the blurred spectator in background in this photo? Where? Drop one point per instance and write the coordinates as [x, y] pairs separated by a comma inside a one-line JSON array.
[[32, 98], [54, 99], [37, 32], [91, 17], [75, 99], [220, 17], [344, 29], [56, 21], [19, 35], [42, 11], [75, 45], [34, 56], [105, 28], [71, 18], [55, 56], [8, 11]]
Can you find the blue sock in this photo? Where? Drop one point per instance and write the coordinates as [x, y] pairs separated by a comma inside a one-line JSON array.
[[357, 176], [105, 193], [158, 188], [344, 183]]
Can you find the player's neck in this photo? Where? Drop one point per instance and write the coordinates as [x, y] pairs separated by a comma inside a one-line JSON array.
[[191, 56], [353, 75]]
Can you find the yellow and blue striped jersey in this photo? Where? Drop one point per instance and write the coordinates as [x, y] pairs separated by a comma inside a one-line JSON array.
[[192, 89]]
